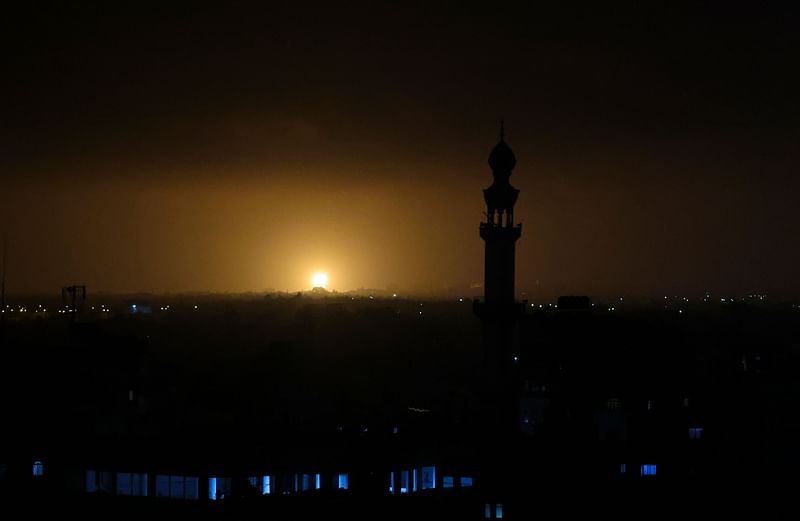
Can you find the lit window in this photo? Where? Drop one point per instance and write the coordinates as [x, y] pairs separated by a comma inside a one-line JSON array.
[[447, 482], [266, 485], [162, 486], [219, 487], [177, 486], [648, 470], [498, 511], [623, 468], [129, 484], [487, 511], [253, 481], [414, 484], [343, 482], [106, 479], [180, 487], [38, 468], [404, 482], [428, 477], [192, 488], [391, 482], [466, 481], [317, 479], [91, 481], [695, 433]]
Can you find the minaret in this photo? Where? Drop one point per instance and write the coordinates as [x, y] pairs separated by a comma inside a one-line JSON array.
[[500, 314], [499, 310], [499, 230]]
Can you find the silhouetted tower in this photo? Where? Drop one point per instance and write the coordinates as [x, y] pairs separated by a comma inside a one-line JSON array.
[[75, 293], [500, 314], [499, 311], [499, 231]]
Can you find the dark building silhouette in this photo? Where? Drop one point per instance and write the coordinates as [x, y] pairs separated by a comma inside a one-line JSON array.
[[499, 311], [500, 314]]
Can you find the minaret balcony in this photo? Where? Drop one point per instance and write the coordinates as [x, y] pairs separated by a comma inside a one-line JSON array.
[[496, 231]]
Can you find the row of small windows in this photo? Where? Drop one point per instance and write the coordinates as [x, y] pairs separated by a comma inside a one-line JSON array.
[[644, 470], [613, 404], [427, 481], [187, 487], [177, 487], [127, 483]]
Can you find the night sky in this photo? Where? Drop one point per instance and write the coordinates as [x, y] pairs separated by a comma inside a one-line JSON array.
[[230, 148]]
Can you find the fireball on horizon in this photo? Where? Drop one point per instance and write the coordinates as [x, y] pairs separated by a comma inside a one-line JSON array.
[[319, 280]]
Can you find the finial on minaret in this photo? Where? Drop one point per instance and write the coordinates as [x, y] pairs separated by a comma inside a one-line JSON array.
[[502, 129]]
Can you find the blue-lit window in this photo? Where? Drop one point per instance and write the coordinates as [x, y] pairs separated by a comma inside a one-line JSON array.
[[91, 481], [179, 487], [487, 511], [317, 481], [404, 482], [623, 468], [466, 481], [447, 482], [138, 484], [648, 470], [266, 485], [253, 481], [131, 484], [38, 468], [343, 482], [428, 477], [695, 433], [191, 488], [98, 481], [219, 487], [162, 486], [391, 482], [306, 485], [498, 511], [414, 484]]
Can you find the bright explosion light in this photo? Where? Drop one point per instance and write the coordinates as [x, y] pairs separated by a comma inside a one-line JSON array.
[[319, 280]]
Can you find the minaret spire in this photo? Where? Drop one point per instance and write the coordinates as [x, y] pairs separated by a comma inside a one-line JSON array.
[[500, 231]]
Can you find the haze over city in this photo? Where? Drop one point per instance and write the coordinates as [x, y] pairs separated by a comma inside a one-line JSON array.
[[174, 149]]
